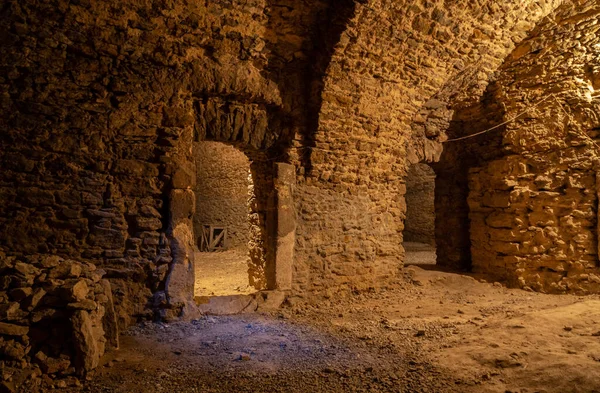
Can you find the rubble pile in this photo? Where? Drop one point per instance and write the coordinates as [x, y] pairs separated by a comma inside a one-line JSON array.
[[56, 320]]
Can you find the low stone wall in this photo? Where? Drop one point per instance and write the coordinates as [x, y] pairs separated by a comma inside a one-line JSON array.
[[56, 321]]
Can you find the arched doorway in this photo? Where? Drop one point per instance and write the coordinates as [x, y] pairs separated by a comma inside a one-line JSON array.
[[228, 222]]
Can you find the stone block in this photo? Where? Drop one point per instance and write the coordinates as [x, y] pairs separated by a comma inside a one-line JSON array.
[[9, 329], [542, 219], [51, 365], [136, 168], [182, 206], [496, 199], [10, 311], [18, 294], [184, 176], [75, 291], [501, 220], [226, 305], [148, 223], [268, 301], [86, 348], [11, 349], [109, 322]]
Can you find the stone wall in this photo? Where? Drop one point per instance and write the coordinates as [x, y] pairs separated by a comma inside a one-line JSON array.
[[378, 114], [101, 105], [534, 211], [222, 191], [419, 225], [96, 100]]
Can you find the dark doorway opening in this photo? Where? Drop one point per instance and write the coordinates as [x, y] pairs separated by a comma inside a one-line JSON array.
[[419, 226]]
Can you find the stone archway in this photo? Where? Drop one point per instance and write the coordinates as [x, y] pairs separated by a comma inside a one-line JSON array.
[[273, 220], [228, 226]]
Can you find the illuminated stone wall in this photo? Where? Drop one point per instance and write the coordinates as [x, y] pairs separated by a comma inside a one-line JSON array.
[[100, 103], [223, 186], [534, 211], [385, 101]]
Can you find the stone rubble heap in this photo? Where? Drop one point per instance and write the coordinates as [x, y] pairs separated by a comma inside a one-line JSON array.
[[56, 320]]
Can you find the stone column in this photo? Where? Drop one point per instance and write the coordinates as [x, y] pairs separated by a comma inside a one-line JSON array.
[[180, 282], [283, 227]]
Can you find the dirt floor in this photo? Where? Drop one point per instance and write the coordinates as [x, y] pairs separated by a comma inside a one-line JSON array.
[[222, 273], [419, 254], [435, 332]]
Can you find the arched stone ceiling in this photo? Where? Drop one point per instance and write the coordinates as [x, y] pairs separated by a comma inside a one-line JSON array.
[[396, 55]]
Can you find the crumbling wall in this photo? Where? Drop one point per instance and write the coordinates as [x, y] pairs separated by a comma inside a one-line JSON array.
[[534, 211], [419, 225], [222, 191], [56, 317]]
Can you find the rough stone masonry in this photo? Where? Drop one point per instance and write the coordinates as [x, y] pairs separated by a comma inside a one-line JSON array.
[[103, 101]]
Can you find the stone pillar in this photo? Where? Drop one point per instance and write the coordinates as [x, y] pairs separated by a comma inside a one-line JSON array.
[[282, 228], [180, 282]]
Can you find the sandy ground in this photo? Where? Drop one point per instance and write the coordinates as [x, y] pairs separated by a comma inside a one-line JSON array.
[[222, 273], [434, 332], [419, 254]]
